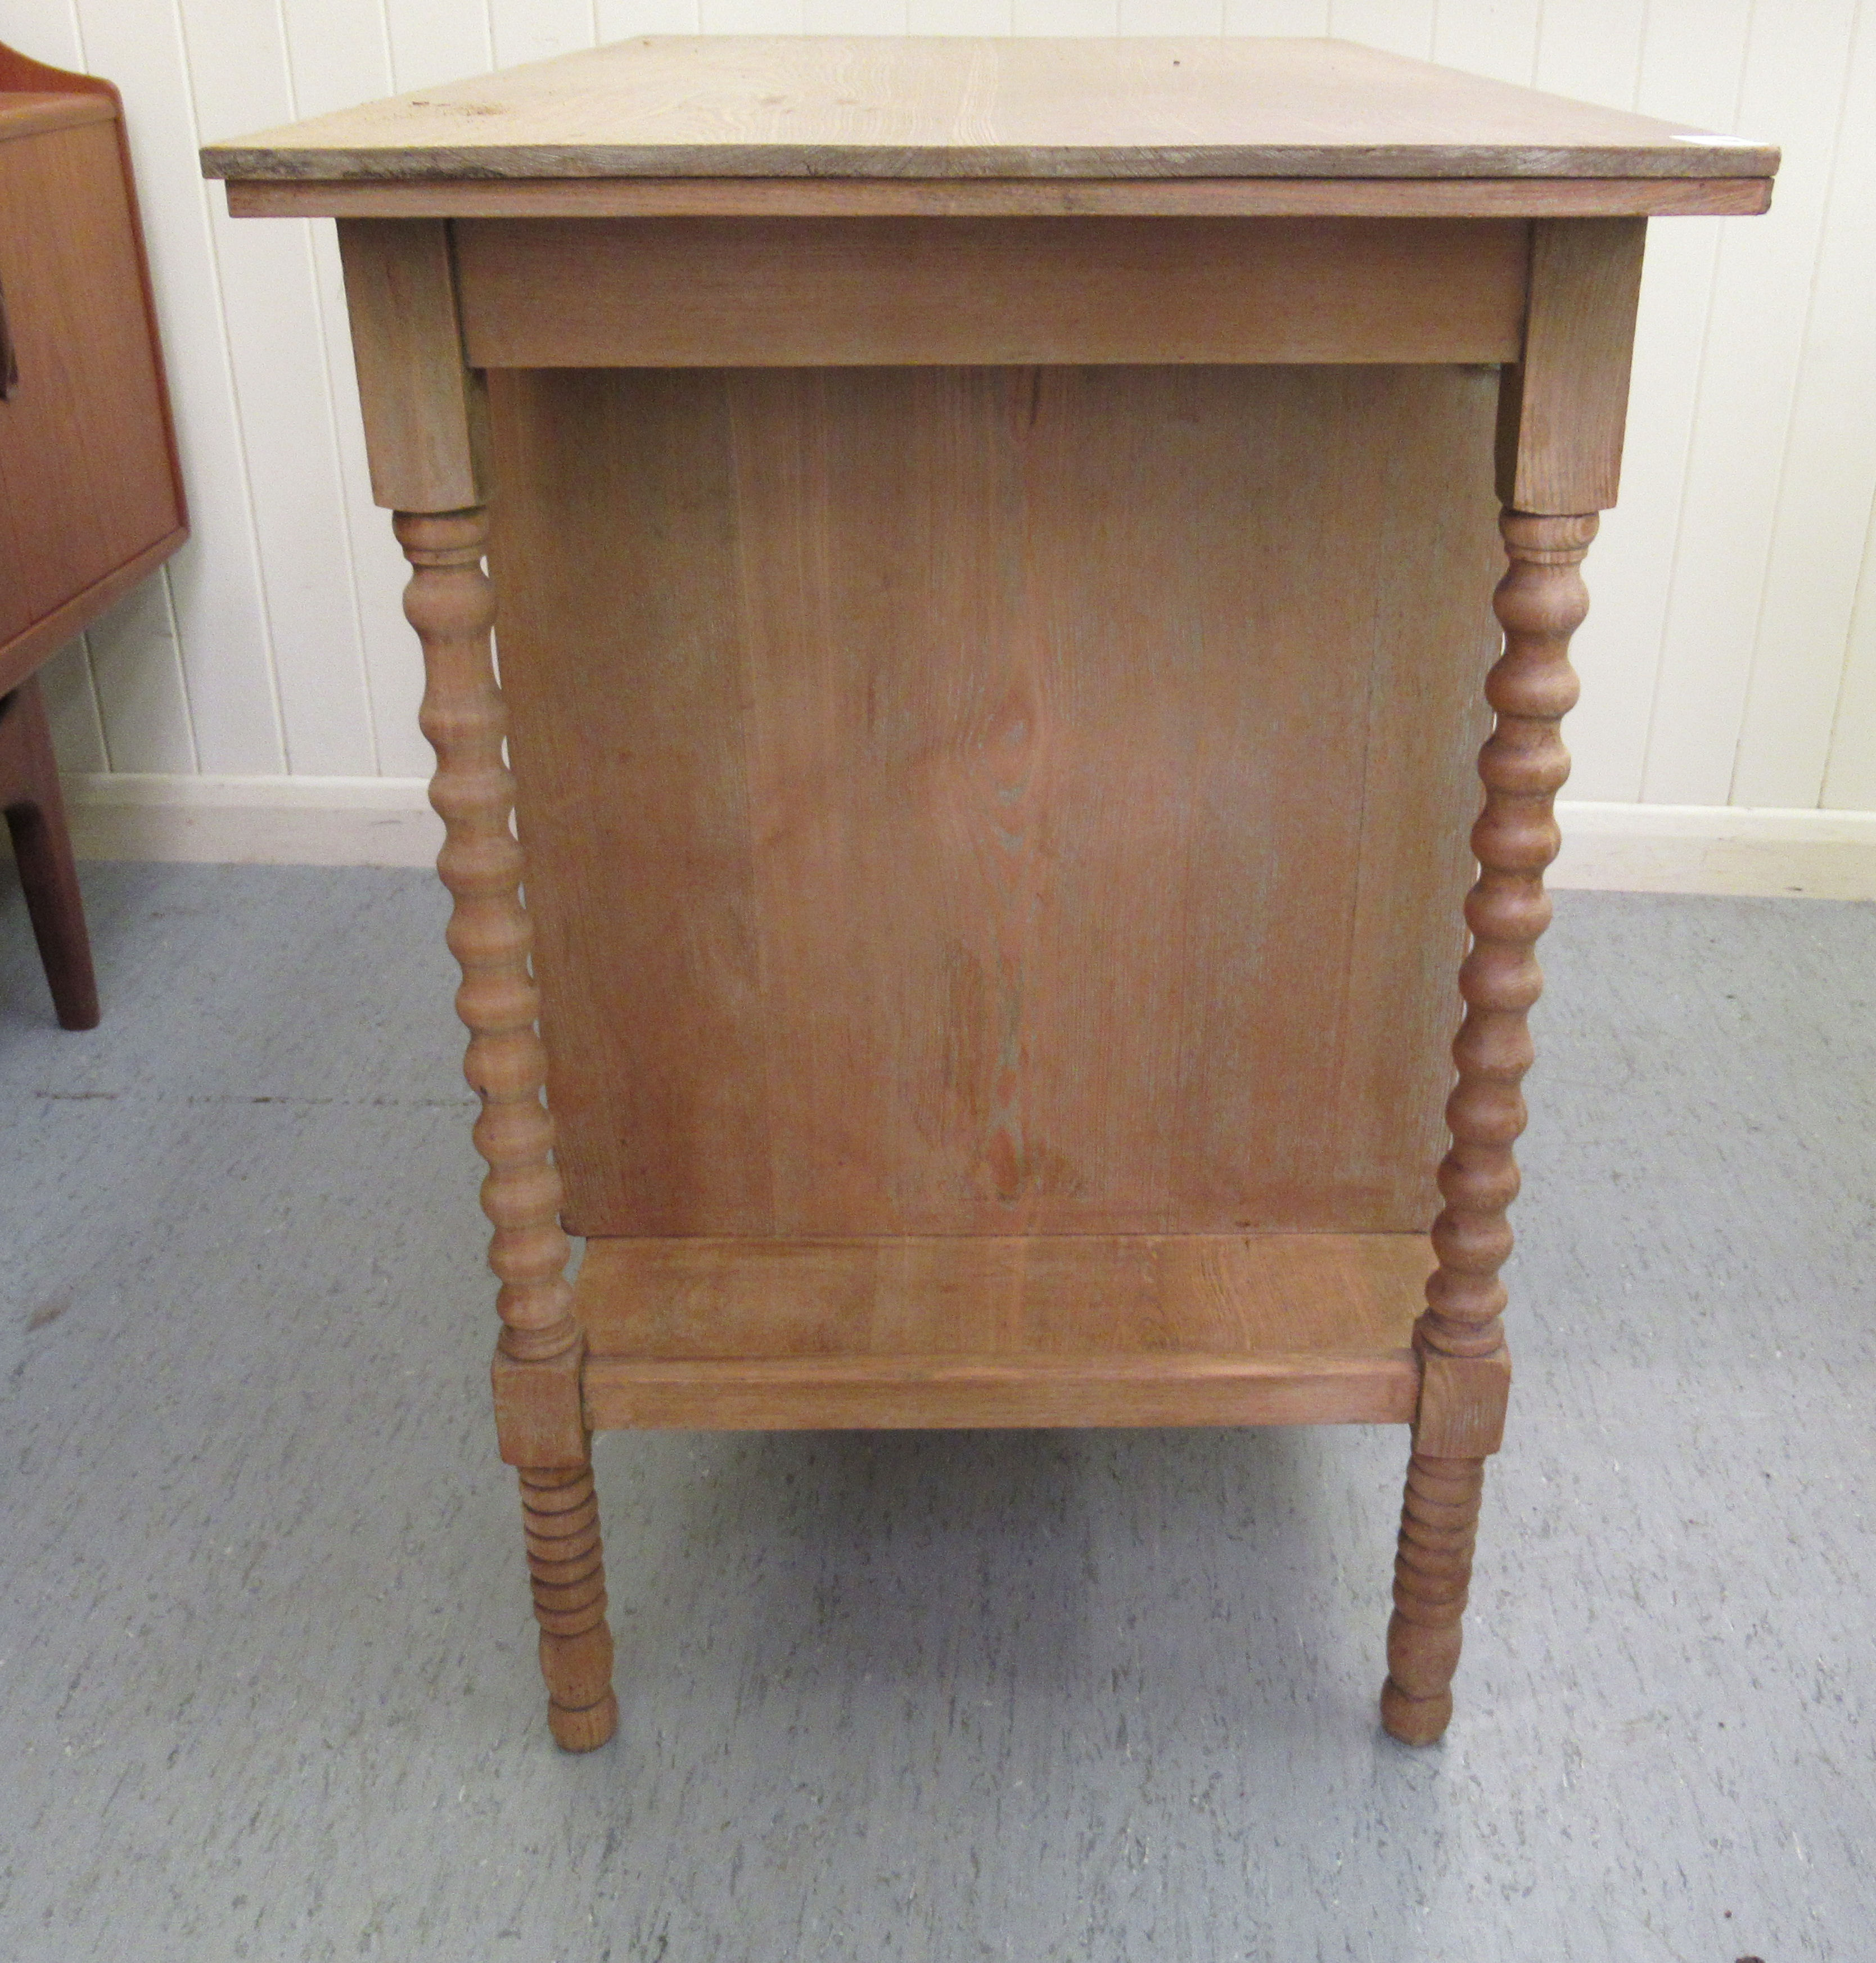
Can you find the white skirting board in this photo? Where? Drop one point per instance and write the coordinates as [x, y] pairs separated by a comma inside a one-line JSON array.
[[253, 820], [388, 822], [1668, 848]]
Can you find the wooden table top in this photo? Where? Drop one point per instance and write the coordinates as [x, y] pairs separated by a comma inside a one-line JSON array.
[[899, 108]]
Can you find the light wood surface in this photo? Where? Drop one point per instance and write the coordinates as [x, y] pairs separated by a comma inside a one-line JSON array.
[[805, 106], [26, 113], [422, 408], [1565, 403], [996, 800], [880, 293], [997, 197], [1060, 1329]]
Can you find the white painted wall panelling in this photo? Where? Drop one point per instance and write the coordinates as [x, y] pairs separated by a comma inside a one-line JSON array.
[[1731, 654], [1827, 479], [1791, 80], [217, 707]]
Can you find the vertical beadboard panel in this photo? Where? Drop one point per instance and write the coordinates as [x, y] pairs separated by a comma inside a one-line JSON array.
[[339, 52], [856, 17], [1172, 17], [1401, 26], [1276, 17], [393, 662], [620, 20], [1794, 80], [220, 707], [530, 30], [436, 41], [47, 30], [1732, 649], [1494, 37], [1695, 48], [750, 17], [958, 16], [238, 63], [133, 655], [1067, 17], [1850, 780], [1692, 59], [1590, 49], [1827, 483], [77, 730]]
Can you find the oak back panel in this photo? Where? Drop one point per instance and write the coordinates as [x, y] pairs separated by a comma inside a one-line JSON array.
[[996, 800]]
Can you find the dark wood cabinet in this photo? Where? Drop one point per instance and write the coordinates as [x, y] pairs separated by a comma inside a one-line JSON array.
[[90, 494]]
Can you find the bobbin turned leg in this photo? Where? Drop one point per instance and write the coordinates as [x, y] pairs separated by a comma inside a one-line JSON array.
[[451, 604], [568, 1575], [1465, 1371]]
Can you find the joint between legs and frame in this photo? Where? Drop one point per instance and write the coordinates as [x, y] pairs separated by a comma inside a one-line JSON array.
[[539, 1418], [1461, 1409]]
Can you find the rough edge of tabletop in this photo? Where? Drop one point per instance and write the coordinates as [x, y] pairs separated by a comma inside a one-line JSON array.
[[419, 163], [857, 197]]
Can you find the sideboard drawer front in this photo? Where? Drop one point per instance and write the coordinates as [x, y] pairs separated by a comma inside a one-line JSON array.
[[86, 482], [890, 292]]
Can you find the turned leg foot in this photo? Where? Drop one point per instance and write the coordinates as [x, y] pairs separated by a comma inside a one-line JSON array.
[[567, 1570], [1431, 1572]]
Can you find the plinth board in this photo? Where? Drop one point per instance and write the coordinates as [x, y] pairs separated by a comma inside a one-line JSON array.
[[996, 800], [961, 1329]]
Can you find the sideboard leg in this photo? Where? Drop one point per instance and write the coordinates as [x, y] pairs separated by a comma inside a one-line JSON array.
[[1540, 602], [451, 604], [35, 815]]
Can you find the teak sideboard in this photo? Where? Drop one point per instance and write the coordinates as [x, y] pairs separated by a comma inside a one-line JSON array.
[[90, 490], [995, 544]]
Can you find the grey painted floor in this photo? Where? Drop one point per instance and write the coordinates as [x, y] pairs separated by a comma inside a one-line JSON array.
[[268, 1688]]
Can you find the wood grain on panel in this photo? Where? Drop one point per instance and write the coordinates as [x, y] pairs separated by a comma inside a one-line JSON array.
[[1059, 1329], [996, 197], [422, 408], [28, 114], [890, 106], [1023, 793], [1565, 403], [87, 483], [781, 293]]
